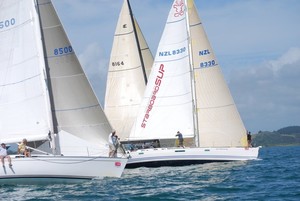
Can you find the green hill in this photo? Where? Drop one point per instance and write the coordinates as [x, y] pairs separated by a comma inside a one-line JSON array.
[[287, 136]]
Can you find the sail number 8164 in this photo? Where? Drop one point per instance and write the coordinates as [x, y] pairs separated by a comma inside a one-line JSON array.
[[117, 63]]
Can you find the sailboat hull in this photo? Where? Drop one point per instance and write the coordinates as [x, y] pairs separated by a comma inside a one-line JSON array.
[[60, 168], [188, 156]]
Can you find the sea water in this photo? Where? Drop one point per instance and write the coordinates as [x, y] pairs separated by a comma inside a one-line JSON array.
[[274, 176]]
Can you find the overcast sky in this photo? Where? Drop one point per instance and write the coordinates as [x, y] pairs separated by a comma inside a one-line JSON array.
[[257, 43]]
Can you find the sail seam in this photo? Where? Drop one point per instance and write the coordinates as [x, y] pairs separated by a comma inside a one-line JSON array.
[[176, 21], [124, 33], [216, 106], [67, 76], [50, 27], [147, 48], [169, 105], [82, 125], [127, 69], [66, 54], [79, 108], [13, 83], [193, 25], [17, 26], [166, 61], [24, 61]]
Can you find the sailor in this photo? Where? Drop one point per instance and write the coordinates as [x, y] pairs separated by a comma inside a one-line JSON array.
[[3, 154], [112, 147], [249, 140], [180, 139], [22, 148]]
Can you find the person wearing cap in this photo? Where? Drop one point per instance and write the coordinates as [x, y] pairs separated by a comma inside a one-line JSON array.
[[3, 155]]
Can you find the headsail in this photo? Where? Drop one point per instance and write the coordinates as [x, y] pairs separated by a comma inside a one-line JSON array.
[[167, 103], [130, 64], [75, 106]]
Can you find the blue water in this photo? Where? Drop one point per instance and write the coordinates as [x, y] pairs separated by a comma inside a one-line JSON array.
[[275, 176]]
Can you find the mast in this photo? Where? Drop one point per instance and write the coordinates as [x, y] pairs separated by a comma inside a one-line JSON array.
[[49, 85], [138, 43], [193, 85]]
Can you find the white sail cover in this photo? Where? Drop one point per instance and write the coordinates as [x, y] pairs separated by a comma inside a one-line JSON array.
[[219, 122], [130, 64], [24, 107], [167, 103], [76, 109]]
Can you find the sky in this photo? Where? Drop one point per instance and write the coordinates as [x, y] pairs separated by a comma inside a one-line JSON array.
[[256, 42]]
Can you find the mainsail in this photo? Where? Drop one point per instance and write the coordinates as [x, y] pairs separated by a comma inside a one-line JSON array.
[[219, 122], [129, 67], [186, 90], [24, 100]]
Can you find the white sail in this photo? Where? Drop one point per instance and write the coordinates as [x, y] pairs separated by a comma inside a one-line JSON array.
[[75, 105], [219, 122], [167, 104], [24, 106], [44, 91], [147, 56], [130, 64]]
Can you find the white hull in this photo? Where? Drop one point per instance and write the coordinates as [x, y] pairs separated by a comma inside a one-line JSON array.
[[187, 156], [61, 168]]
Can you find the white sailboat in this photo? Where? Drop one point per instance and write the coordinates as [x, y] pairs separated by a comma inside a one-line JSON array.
[[186, 92], [46, 98], [129, 67]]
